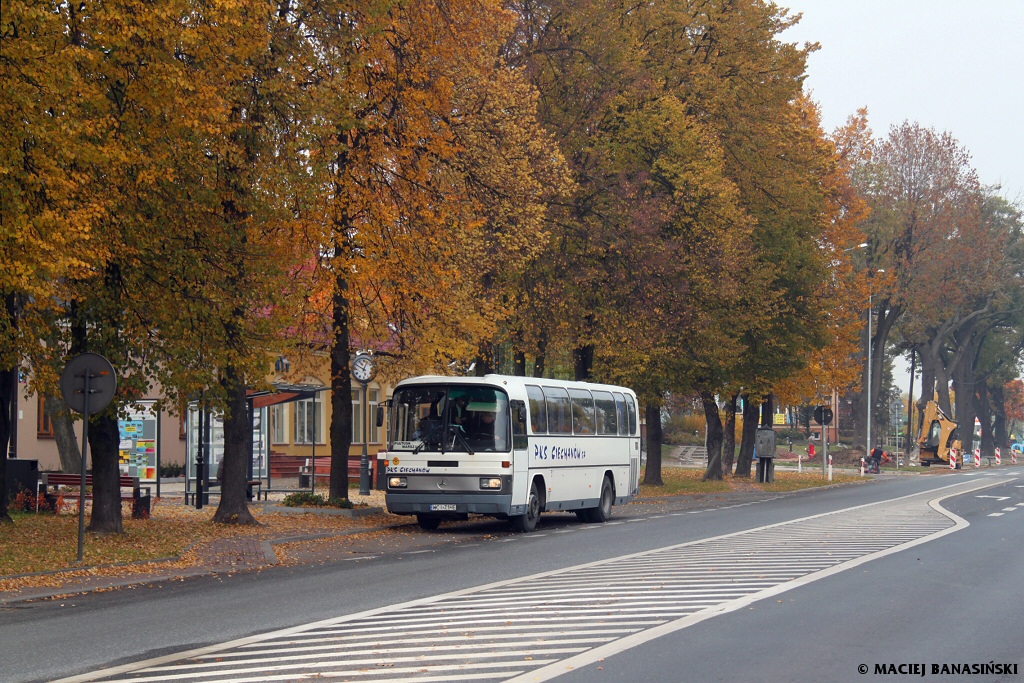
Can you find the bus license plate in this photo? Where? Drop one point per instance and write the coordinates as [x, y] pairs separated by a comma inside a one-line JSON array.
[[443, 507]]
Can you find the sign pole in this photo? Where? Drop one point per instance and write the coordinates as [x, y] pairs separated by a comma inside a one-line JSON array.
[[364, 461], [85, 450]]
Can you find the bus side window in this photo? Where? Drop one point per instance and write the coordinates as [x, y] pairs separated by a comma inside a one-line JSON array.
[[538, 411], [606, 423], [620, 413], [559, 412], [582, 411], [631, 409]]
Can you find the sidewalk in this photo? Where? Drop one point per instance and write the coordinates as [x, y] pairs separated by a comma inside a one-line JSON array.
[[217, 556]]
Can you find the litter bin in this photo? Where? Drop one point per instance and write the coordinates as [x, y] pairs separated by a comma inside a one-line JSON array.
[[141, 506]]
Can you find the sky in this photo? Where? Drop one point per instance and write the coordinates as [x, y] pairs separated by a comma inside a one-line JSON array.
[[953, 66]]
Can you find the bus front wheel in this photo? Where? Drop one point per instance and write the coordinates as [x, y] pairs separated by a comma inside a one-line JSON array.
[[428, 522], [528, 522]]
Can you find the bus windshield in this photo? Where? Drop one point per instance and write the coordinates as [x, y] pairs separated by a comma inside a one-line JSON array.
[[450, 419]]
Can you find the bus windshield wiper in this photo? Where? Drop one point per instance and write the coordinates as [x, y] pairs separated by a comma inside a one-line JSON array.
[[457, 431]]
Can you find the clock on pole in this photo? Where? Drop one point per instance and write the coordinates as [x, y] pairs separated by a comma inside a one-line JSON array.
[[363, 370]]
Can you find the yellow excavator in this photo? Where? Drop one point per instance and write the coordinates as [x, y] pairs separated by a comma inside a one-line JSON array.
[[938, 435]]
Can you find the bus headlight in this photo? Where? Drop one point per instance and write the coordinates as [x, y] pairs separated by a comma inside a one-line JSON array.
[[490, 483], [397, 483]]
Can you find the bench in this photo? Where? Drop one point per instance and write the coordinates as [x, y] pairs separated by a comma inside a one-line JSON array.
[[140, 503], [323, 468]]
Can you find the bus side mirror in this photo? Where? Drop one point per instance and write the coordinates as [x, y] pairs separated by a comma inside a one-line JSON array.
[[380, 416]]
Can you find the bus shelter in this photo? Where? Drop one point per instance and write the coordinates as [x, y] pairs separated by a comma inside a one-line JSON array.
[[204, 441]]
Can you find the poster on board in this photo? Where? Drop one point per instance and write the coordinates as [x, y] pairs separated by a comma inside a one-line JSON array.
[[138, 442]]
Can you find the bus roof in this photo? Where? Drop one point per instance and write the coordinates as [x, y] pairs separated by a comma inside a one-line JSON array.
[[510, 380]]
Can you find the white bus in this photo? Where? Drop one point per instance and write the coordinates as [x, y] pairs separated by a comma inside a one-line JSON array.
[[510, 447]]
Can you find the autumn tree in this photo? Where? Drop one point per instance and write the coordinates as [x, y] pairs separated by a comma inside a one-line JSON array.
[[431, 179], [53, 148]]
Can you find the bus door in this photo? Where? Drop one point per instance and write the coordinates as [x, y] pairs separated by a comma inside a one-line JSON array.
[[520, 454], [634, 446]]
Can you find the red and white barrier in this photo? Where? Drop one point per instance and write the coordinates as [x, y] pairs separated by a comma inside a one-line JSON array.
[[998, 460], [952, 459], [830, 467], [977, 457], [1013, 457], [862, 467]]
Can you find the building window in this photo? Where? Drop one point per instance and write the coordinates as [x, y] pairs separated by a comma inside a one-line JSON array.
[[373, 400], [44, 428], [279, 424], [309, 424]]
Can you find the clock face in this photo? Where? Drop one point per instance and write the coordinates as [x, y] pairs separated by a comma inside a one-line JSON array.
[[362, 368]]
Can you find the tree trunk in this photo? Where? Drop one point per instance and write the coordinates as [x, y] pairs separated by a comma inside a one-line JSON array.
[[8, 400], [652, 474], [583, 362], [729, 436], [519, 364], [234, 507], [927, 385], [341, 391], [964, 382], [746, 456], [64, 434], [714, 437], [484, 360], [8, 387], [538, 361], [999, 430], [887, 317], [104, 440]]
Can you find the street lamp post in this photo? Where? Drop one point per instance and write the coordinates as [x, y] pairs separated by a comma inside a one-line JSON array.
[[871, 311], [871, 314]]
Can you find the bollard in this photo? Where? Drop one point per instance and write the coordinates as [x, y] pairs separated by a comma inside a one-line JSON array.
[[952, 458], [862, 467], [800, 462], [977, 457], [830, 467], [1013, 457], [998, 461]]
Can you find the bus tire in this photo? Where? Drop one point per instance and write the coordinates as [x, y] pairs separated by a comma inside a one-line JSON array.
[[428, 522], [528, 522], [603, 511]]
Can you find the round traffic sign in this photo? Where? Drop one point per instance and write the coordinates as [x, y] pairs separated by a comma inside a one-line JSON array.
[[102, 383]]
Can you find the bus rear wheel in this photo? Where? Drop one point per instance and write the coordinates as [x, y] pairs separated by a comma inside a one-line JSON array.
[[428, 522], [603, 511], [528, 522]]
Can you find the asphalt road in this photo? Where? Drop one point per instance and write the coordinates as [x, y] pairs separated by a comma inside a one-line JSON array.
[[956, 599]]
